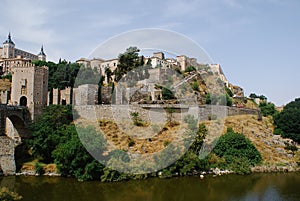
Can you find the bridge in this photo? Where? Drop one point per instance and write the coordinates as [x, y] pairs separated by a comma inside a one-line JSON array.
[[20, 119], [18, 115]]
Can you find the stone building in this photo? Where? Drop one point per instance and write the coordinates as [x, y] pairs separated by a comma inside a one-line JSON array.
[[61, 97], [10, 56], [30, 87]]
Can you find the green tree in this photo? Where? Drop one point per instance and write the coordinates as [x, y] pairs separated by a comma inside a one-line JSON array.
[[253, 95], [288, 121], [48, 130], [72, 158], [128, 61], [267, 109]]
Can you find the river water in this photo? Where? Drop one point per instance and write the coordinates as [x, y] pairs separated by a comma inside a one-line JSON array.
[[269, 187]]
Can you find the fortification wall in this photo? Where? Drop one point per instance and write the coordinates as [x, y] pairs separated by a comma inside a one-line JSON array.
[[158, 113]]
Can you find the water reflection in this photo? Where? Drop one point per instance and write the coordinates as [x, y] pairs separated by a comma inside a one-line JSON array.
[[231, 187]]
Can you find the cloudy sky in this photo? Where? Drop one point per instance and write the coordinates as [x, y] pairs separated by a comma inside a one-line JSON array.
[[256, 42]]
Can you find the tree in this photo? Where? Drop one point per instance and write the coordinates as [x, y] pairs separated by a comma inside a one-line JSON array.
[[288, 121], [267, 109], [100, 84], [72, 158], [49, 130], [253, 96], [108, 73], [128, 61]]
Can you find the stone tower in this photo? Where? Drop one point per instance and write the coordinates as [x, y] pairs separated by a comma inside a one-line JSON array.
[[8, 48], [42, 55], [30, 87]]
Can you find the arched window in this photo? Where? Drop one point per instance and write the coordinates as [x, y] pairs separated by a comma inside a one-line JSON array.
[[23, 101]]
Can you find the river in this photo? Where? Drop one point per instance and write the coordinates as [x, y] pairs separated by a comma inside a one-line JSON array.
[[268, 187]]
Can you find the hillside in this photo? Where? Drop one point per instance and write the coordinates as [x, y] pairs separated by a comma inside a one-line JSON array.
[[271, 147]]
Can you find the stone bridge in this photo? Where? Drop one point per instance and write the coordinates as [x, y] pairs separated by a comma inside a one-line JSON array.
[[11, 133]]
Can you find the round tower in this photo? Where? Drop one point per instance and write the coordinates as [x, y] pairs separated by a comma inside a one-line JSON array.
[[8, 48]]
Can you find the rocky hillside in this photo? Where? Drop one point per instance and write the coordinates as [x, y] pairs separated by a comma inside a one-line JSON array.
[[272, 147]]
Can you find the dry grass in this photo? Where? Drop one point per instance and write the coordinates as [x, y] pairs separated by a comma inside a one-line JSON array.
[[145, 139]]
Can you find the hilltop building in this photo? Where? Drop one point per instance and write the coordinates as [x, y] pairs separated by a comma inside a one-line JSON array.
[[11, 57]]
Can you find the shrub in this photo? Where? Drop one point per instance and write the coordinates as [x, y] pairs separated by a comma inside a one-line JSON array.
[[190, 69], [195, 86], [39, 169], [136, 119], [239, 153], [131, 143]]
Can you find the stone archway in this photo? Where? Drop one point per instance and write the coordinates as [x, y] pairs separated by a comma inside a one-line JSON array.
[[17, 131], [23, 101]]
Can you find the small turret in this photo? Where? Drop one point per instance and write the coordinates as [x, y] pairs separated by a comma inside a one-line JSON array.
[[42, 55]]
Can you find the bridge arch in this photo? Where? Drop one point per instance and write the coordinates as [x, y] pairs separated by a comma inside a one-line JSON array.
[[19, 125]]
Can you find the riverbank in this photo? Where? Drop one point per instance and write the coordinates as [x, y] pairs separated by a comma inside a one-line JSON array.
[[260, 186]]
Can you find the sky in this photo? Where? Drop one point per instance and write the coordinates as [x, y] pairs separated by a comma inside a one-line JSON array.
[[256, 42]]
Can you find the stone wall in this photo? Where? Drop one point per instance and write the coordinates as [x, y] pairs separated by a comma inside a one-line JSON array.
[[7, 159], [158, 113]]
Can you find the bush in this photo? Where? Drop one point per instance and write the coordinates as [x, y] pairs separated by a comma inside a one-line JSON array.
[[131, 143], [167, 94], [267, 109], [239, 153], [39, 169], [190, 69], [195, 86]]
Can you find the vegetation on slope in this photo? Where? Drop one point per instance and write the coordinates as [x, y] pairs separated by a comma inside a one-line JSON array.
[[288, 121], [55, 140]]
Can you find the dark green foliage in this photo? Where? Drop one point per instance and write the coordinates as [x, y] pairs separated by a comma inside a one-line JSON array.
[[267, 109], [61, 75], [195, 86], [72, 158], [190, 69], [288, 121], [167, 94], [49, 130], [291, 147], [208, 99], [100, 84], [39, 169], [190, 161], [7, 76], [239, 153], [261, 97], [128, 61], [229, 92]]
